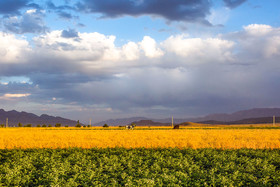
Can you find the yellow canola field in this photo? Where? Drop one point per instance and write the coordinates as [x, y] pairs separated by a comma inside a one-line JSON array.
[[183, 138]]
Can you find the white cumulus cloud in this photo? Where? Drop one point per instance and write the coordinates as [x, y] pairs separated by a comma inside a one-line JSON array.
[[12, 49], [149, 46], [199, 50], [258, 29]]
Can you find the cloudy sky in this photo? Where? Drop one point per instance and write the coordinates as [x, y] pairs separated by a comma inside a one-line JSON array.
[[154, 58]]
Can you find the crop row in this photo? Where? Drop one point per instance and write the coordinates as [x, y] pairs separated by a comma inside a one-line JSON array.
[[139, 167]]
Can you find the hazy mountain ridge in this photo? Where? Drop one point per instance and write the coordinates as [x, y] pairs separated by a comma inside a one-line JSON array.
[[262, 120], [243, 114], [121, 121], [150, 123], [254, 114], [15, 117]]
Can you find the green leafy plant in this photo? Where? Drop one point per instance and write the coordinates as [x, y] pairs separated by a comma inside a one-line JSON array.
[[139, 167]]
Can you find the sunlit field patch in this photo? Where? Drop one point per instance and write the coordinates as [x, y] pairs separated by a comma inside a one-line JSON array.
[[221, 138]]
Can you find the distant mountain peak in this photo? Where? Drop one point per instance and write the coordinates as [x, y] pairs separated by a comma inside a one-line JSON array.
[[243, 114], [219, 117], [24, 118]]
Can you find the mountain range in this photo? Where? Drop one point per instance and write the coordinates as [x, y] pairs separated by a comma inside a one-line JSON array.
[[15, 117], [255, 115], [243, 114]]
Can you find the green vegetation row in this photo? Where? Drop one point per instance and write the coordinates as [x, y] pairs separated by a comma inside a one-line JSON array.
[[106, 127], [44, 125], [139, 167], [56, 125]]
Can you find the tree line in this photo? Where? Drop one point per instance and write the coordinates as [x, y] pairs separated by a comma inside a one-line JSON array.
[[79, 125]]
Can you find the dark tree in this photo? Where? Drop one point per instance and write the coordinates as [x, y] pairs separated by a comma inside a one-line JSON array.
[[78, 124], [58, 125]]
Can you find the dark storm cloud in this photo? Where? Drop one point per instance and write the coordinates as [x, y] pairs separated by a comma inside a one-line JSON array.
[[58, 80], [34, 5], [16, 88], [31, 22], [65, 15], [71, 33], [173, 10], [52, 6], [61, 10], [66, 86], [233, 3], [81, 25], [13, 6]]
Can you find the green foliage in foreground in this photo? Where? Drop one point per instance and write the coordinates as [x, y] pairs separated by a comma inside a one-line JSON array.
[[139, 167]]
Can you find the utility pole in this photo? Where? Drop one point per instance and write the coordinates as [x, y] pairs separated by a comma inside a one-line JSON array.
[[273, 120], [7, 125], [172, 121]]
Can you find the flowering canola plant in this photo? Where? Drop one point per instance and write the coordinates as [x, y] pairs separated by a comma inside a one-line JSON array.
[[164, 138]]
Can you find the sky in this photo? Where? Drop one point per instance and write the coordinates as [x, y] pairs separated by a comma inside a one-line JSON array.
[[99, 60]]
